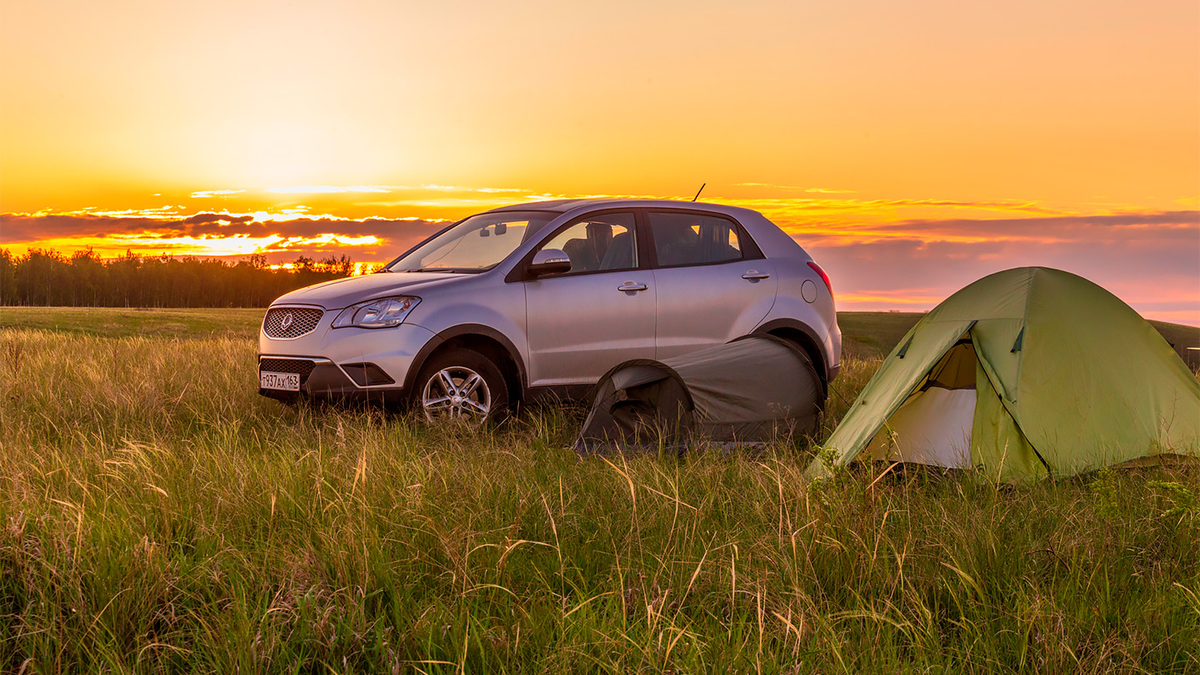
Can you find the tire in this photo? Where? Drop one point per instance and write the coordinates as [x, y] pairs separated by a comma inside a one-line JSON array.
[[461, 384]]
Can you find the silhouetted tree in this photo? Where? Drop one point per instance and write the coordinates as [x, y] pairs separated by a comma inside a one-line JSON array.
[[46, 277]]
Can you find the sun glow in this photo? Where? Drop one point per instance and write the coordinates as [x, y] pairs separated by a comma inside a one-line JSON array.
[[909, 147], [326, 189], [359, 268], [149, 243]]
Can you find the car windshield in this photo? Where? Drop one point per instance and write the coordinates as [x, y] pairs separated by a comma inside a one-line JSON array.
[[476, 244]]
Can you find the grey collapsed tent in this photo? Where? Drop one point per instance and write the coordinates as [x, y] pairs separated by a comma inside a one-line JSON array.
[[1027, 373], [746, 391]]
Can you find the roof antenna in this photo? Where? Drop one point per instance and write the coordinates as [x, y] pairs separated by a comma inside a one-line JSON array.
[[698, 192]]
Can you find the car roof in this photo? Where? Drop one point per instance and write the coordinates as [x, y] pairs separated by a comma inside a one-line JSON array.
[[766, 235], [565, 205]]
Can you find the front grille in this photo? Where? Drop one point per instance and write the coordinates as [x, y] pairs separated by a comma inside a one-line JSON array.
[[301, 366], [291, 322]]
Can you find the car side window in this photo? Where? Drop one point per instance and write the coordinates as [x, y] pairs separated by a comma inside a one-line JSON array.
[[600, 243], [693, 239]]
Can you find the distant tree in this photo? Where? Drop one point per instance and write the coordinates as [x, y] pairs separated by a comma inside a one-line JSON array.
[[42, 278], [8, 278], [47, 277], [339, 266], [88, 275]]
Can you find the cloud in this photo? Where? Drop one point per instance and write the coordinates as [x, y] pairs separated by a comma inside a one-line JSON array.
[[785, 209], [215, 234], [459, 188], [204, 194], [327, 189], [1149, 260], [1050, 229], [795, 187], [216, 218]]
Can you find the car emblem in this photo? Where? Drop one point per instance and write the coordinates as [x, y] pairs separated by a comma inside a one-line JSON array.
[[287, 321]]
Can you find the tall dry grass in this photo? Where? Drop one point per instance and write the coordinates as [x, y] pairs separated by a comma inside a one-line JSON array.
[[157, 515]]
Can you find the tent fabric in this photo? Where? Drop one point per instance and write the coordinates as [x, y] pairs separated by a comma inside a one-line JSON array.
[[637, 403], [746, 391], [1068, 378]]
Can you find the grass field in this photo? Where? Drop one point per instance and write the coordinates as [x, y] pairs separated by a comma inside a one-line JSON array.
[[157, 515], [145, 322], [866, 334]]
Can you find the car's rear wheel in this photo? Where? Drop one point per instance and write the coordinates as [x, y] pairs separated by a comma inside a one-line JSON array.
[[461, 384]]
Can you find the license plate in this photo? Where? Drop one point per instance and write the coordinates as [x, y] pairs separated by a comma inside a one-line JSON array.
[[280, 381]]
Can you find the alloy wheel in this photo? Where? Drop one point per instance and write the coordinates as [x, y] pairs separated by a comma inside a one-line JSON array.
[[456, 392]]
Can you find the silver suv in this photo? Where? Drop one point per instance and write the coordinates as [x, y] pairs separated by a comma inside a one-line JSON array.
[[540, 300]]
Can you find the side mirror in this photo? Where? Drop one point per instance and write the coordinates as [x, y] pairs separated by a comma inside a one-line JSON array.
[[550, 261]]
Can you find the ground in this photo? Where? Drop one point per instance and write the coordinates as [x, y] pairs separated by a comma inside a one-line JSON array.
[[158, 515]]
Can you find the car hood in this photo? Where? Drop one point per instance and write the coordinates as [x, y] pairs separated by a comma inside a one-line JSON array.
[[340, 293]]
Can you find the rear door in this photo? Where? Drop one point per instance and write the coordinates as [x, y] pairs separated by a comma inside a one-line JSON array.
[[602, 312], [713, 282]]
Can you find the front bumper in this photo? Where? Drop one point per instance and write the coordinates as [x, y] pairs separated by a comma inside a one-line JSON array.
[[346, 363], [323, 379]]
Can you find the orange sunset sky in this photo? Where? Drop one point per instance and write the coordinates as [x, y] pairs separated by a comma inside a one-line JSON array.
[[910, 147]]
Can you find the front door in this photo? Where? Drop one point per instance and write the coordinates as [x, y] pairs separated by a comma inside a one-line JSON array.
[[601, 313]]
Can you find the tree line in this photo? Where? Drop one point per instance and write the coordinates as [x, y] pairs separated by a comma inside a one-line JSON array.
[[47, 277]]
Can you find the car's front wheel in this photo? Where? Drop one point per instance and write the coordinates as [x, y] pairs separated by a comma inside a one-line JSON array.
[[461, 384]]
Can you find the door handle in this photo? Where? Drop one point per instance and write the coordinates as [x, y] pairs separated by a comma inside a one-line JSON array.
[[755, 275], [631, 286]]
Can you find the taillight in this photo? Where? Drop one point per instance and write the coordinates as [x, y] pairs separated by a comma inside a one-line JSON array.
[[824, 277]]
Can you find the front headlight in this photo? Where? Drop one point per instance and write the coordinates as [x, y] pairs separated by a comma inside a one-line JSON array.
[[379, 313]]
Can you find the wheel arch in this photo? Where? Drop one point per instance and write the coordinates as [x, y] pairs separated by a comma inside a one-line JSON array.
[[479, 338], [803, 336]]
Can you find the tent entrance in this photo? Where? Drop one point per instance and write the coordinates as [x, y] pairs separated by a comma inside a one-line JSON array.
[[933, 425]]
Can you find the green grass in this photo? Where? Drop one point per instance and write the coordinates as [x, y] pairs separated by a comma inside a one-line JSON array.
[[864, 334], [873, 334], [157, 515], [122, 322], [1185, 340]]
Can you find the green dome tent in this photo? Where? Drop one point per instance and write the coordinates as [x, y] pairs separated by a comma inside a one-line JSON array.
[[1023, 374]]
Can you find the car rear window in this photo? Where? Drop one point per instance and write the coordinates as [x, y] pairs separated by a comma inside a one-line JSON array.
[[693, 239]]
